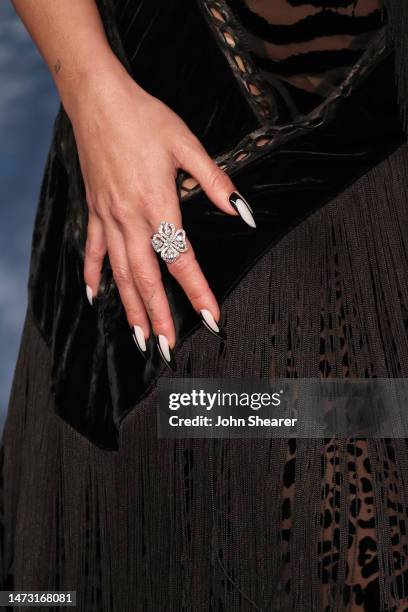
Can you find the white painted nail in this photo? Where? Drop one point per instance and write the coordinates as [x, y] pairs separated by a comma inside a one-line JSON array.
[[89, 294], [211, 324], [209, 320], [139, 338], [164, 347], [243, 209]]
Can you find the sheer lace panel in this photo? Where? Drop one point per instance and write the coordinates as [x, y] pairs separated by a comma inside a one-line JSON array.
[[311, 45], [275, 99]]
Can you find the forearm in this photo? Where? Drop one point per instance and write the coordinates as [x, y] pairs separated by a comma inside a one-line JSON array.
[[71, 38]]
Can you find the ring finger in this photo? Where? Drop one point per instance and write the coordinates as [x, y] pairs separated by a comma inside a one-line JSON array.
[[170, 243]]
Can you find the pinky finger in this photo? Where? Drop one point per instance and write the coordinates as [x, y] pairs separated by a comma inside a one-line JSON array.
[[95, 252]]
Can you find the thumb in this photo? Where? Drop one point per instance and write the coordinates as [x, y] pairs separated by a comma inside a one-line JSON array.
[[217, 184]]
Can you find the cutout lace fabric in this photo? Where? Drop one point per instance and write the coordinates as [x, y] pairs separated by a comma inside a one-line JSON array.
[[265, 103]]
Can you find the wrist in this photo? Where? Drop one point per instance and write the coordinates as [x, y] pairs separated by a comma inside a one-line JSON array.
[[88, 80]]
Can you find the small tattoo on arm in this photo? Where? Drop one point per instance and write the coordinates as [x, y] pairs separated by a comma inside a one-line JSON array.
[[57, 67]]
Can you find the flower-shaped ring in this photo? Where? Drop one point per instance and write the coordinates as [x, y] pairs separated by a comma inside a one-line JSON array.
[[169, 242]]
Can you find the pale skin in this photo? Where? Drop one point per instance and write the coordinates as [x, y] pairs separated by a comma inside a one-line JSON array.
[[130, 147]]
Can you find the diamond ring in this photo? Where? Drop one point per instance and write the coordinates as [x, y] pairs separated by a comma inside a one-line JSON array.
[[169, 242]]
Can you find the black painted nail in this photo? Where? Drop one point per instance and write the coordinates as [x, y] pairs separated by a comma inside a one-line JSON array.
[[243, 208], [210, 323], [165, 351]]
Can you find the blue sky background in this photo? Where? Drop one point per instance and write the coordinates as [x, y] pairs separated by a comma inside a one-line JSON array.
[[28, 105]]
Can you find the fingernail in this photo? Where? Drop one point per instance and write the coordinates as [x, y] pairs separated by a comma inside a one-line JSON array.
[[139, 338], [89, 294], [165, 351], [243, 208], [211, 324]]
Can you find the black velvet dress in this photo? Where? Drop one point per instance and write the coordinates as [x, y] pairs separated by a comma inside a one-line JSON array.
[[91, 499]]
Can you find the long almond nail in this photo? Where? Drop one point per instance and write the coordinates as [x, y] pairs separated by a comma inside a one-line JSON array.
[[211, 324], [139, 338], [89, 294], [165, 351], [243, 208]]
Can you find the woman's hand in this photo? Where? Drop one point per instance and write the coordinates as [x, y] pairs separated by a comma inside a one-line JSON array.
[[130, 147]]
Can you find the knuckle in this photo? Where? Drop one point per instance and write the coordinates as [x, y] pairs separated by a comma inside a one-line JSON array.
[[148, 204], [121, 211], [102, 212], [161, 198], [122, 275], [199, 295], [148, 196], [99, 208], [146, 284], [134, 313], [182, 265], [159, 321], [217, 180], [93, 252]]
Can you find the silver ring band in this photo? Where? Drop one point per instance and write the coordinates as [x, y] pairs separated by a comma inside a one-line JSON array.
[[169, 242]]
